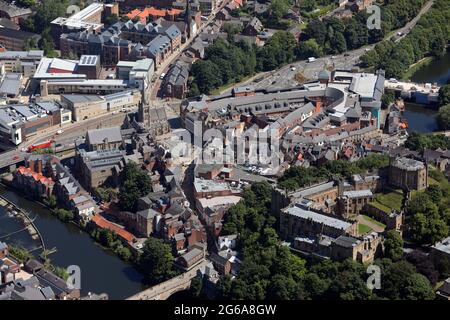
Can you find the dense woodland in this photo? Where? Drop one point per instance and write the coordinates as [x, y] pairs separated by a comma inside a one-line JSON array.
[[228, 62], [428, 38], [271, 271], [297, 177]]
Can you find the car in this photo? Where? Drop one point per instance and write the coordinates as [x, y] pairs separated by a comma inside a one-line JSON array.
[[162, 76], [16, 158], [367, 49], [24, 149], [59, 131], [293, 68], [311, 59], [333, 57]]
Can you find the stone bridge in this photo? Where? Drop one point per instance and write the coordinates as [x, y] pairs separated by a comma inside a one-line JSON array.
[[165, 289]]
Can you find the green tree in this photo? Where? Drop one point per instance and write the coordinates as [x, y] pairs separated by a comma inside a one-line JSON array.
[[18, 252], [308, 48], [26, 3], [124, 253], [155, 261], [207, 75], [111, 19], [105, 194], [64, 215], [136, 183], [46, 12], [196, 287], [443, 116], [393, 245], [51, 201], [417, 287]]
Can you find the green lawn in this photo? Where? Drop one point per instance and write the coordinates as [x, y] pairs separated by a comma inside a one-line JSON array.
[[378, 223], [387, 201], [433, 181], [416, 67], [363, 229]]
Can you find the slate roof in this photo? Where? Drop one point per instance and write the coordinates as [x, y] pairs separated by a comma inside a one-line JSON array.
[[98, 136]]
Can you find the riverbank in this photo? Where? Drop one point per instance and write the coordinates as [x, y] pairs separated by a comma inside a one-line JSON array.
[[415, 67], [101, 270]]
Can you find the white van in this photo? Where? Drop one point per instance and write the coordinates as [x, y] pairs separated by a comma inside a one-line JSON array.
[[311, 59]]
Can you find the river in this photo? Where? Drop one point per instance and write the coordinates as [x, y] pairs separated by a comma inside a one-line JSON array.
[[421, 118], [101, 270], [438, 71]]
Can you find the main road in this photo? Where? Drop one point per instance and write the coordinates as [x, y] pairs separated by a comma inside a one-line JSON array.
[[279, 78], [285, 76]]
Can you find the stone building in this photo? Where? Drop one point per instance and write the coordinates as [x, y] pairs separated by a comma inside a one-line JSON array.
[[408, 174], [322, 196], [351, 203], [363, 250], [100, 167], [152, 119], [145, 221], [299, 220], [104, 139]]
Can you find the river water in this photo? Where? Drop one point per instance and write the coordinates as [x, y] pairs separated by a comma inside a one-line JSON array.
[[101, 270], [421, 118], [438, 71]]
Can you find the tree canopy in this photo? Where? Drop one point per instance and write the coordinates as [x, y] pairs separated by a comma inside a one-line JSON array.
[[155, 261], [297, 177], [135, 184], [428, 38]]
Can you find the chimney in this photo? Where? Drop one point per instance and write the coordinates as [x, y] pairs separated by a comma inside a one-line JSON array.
[[38, 168], [318, 106]]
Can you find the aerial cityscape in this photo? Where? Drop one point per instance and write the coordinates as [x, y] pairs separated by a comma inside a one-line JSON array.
[[205, 150]]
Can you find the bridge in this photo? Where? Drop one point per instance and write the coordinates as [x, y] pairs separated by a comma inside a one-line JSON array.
[[29, 222], [165, 289], [421, 93], [410, 86], [11, 159]]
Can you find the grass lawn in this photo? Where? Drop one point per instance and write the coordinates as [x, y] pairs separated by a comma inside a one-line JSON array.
[[378, 223], [387, 201], [433, 181], [363, 229], [416, 67]]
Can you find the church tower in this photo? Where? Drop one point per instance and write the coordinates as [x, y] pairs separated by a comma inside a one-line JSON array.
[[187, 18]]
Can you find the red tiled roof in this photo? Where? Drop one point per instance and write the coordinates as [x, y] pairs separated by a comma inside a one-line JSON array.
[[151, 11], [105, 224], [36, 176], [133, 13]]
